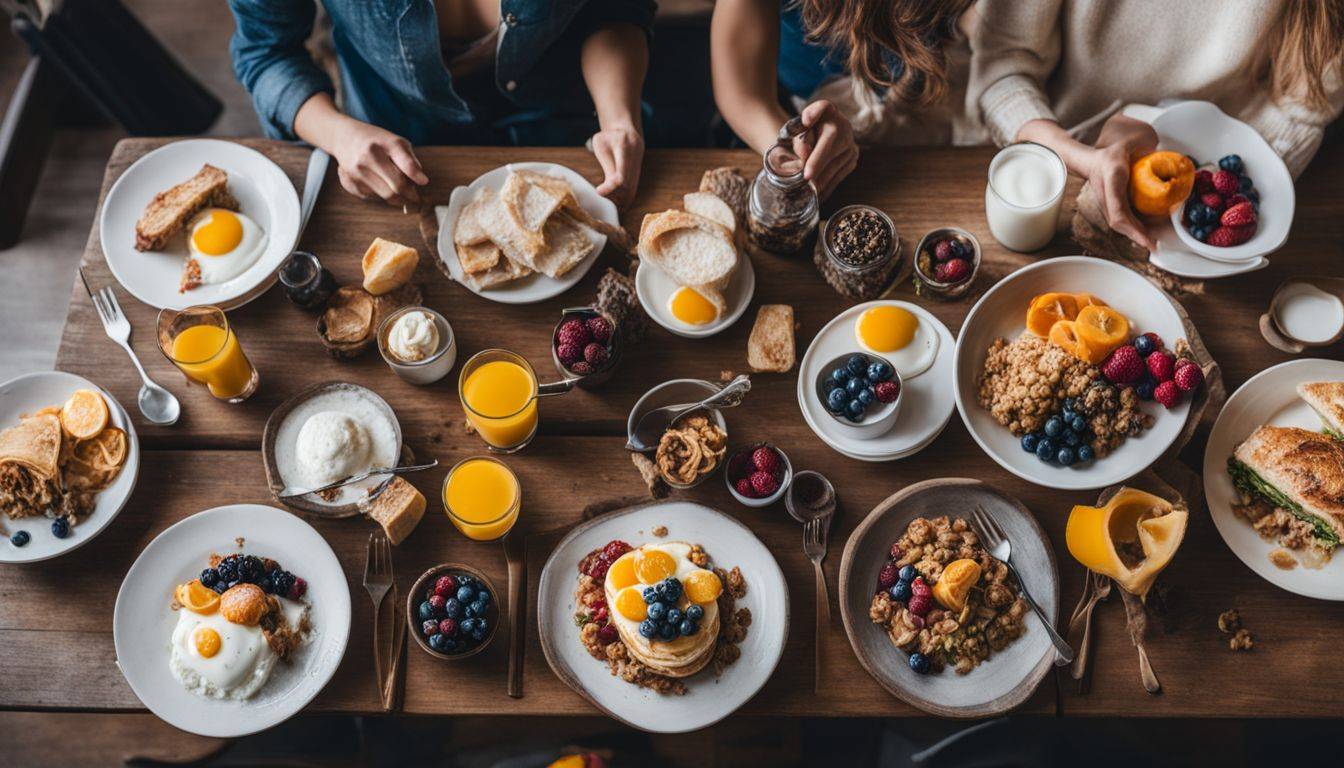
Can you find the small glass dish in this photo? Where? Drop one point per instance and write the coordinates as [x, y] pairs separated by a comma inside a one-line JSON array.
[[429, 369], [739, 466], [924, 259], [418, 595]]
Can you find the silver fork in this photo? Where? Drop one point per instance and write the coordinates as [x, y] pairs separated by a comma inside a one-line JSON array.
[[157, 404], [815, 533], [987, 528], [378, 580]]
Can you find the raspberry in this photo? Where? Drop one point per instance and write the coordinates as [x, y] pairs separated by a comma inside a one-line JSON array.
[[1238, 215], [298, 590], [765, 459], [597, 569], [942, 251], [887, 578], [763, 483], [581, 368], [919, 605], [896, 551], [600, 329], [744, 488], [1188, 375], [569, 354], [740, 465], [1225, 182], [607, 634], [614, 549], [920, 587], [573, 331], [1203, 182], [1161, 366], [1168, 394], [953, 271], [437, 602], [446, 585], [596, 355], [1213, 200], [1238, 198], [1122, 366], [887, 391], [601, 614], [917, 622], [1226, 237], [448, 627]]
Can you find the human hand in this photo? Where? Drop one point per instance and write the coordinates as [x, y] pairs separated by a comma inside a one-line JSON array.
[[1106, 167], [373, 163], [620, 153], [828, 150]]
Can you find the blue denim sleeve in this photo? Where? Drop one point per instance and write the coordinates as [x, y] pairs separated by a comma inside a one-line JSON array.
[[270, 60]]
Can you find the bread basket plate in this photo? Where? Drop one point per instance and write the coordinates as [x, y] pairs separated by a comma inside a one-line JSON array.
[[264, 193], [1269, 397], [143, 620], [32, 392], [654, 288], [535, 287]]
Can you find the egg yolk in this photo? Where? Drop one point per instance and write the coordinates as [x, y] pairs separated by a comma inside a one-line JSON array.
[[887, 328], [622, 572], [654, 565], [688, 306], [207, 642], [219, 234], [630, 604], [703, 586]]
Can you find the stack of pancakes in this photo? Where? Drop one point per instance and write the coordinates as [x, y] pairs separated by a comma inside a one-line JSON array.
[[679, 657]]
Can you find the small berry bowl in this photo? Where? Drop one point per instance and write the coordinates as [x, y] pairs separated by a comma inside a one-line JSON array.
[[434, 599], [593, 367], [757, 467], [962, 245], [876, 417]]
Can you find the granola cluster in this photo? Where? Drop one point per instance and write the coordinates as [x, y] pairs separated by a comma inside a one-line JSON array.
[[690, 449]]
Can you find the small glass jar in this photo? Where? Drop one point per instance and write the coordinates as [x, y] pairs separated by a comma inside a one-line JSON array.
[[858, 252], [307, 283], [782, 210]]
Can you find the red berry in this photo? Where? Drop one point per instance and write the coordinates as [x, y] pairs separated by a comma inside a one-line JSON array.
[[597, 568], [607, 634], [1188, 375], [763, 483], [299, 589], [896, 551], [437, 602], [1203, 182], [887, 578], [1122, 366], [573, 331], [601, 614], [744, 488], [953, 271], [600, 329], [1225, 182], [1226, 237], [615, 548], [919, 605], [595, 354], [916, 622], [581, 368], [765, 459], [887, 391], [942, 251], [448, 627], [920, 587], [1168, 394], [445, 585], [1161, 365], [1213, 200], [1236, 199], [569, 354], [1153, 337], [1238, 215]]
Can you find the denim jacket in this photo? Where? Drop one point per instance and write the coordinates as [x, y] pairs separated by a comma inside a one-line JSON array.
[[392, 67]]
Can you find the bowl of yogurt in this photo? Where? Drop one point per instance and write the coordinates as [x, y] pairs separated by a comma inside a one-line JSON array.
[[417, 343]]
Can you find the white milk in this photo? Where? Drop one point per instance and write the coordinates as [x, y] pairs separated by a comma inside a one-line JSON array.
[[1307, 313], [1023, 196]]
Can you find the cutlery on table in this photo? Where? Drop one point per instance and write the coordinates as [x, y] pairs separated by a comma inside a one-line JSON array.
[[290, 493], [312, 185], [992, 536], [515, 554], [1136, 618], [157, 404], [1101, 591], [378, 579], [392, 689], [652, 424], [816, 529]]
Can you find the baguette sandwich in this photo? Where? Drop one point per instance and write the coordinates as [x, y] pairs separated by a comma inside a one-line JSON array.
[[1298, 471]]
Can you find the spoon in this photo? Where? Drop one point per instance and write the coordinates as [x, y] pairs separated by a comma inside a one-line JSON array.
[[652, 424], [158, 405], [815, 515]]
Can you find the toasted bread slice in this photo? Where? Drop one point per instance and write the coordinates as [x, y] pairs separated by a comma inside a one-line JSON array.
[[1297, 469], [468, 230], [1327, 399], [771, 346], [171, 209], [691, 249], [567, 244]]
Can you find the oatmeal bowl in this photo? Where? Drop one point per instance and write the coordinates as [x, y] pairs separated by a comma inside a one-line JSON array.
[[1074, 373]]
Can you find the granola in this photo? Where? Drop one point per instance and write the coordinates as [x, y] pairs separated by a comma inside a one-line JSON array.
[[690, 449]]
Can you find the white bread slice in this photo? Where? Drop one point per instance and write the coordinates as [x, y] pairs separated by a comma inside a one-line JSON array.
[[505, 271], [468, 230], [691, 249], [711, 207], [567, 244], [518, 244], [478, 258], [530, 205]]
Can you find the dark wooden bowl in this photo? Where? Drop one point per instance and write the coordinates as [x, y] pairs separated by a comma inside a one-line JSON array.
[[417, 596]]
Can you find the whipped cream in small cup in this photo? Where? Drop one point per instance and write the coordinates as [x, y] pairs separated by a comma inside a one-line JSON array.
[[413, 337], [417, 344]]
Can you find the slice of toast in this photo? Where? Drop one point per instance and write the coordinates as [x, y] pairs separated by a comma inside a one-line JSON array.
[[170, 209], [771, 345]]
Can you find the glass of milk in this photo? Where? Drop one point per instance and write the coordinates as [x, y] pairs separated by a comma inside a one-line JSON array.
[[1023, 196]]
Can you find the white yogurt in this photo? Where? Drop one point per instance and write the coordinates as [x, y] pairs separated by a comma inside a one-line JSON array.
[[334, 444], [1307, 313], [1023, 196]]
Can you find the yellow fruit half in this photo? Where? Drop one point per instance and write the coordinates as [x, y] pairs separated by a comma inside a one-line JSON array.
[[84, 414], [703, 586], [630, 604], [622, 572], [1102, 328], [654, 565], [197, 598], [1130, 538], [1049, 308], [955, 584]]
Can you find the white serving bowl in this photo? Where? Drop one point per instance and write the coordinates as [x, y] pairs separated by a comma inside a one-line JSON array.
[[876, 421], [784, 483]]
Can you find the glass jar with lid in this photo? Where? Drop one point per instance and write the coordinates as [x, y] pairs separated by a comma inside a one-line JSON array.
[[782, 210], [858, 252]]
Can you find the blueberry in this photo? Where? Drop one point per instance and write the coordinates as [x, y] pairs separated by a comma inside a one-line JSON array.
[[449, 645], [960, 250], [482, 624], [900, 591], [856, 385], [60, 528], [840, 375], [438, 643], [1071, 403], [1029, 441], [1072, 439], [209, 577], [695, 612], [879, 371], [1144, 345], [857, 364], [267, 584], [854, 410], [252, 569], [20, 538], [1053, 426], [1065, 456], [465, 579], [1067, 415], [1144, 389], [919, 663], [837, 400], [426, 611], [453, 608], [1230, 163], [907, 573], [478, 635], [867, 396], [667, 632], [1045, 450], [1244, 184], [1085, 453], [468, 625], [650, 595], [466, 593], [657, 611], [1078, 424], [1254, 196], [688, 627], [674, 616], [1200, 233], [672, 586], [483, 596], [477, 609]]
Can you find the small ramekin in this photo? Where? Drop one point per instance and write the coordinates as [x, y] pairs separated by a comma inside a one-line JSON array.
[[432, 368]]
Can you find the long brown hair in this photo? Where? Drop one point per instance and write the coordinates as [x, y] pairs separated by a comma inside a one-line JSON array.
[[874, 31], [1304, 44]]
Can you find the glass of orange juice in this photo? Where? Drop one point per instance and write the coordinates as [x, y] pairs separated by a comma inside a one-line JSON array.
[[200, 342], [499, 393], [482, 497]]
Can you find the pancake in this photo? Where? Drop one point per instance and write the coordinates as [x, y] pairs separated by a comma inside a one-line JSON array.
[[683, 655]]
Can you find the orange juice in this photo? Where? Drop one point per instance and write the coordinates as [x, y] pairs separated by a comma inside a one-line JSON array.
[[500, 398], [212, 356], [482, 497]]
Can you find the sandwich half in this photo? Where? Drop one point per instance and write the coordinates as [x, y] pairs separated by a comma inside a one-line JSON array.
[[1298, 471], [1327, 399]]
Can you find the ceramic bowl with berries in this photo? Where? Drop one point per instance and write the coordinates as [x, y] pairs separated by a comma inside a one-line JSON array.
[[758, 474], [947, 260], [452, 611], [1223, 210], [586, 346], [861, 392]]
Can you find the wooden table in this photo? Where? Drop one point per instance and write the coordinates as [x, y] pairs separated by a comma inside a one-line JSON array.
[[55, 631]]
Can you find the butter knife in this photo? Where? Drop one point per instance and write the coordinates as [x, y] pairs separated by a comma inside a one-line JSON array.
[[290, 492]]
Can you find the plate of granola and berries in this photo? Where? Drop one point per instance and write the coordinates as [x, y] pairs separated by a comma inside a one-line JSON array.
[[666, 616]]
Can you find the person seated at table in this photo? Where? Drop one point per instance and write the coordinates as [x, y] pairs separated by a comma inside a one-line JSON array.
[[844, 67], [1038, 67], [522, 72]]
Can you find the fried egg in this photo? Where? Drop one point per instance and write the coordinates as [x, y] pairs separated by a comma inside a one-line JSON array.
[[214, 657], [691, 307], [900, 336], [224, 244]]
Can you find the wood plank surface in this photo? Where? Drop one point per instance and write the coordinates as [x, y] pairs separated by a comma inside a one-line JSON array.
[[211, 458]]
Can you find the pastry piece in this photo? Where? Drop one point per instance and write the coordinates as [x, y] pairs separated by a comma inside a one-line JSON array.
[[468, 230], [34, 443], [771, 345], [398, 509], [388, 266], [243, 604], [170, 209], [350, 323]]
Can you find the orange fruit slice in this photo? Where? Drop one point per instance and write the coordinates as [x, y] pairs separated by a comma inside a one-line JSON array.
[[1088, 299], [84, 414], [654, 565], [630, 604], [1048, 309], [197, 598], [622, 572], [1102, 328], [703, 586], [1064, 334]]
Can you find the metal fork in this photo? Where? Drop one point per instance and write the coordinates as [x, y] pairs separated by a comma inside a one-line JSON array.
[[378, 579], [815, 533], [994, 539], [157, 404]]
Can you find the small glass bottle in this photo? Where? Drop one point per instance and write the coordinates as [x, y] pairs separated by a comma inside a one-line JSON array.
[[307, 283], [782, 210]]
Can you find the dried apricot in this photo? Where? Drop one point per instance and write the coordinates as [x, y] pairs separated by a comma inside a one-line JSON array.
[[1102, 328], [630, 604], [622, 572], [703, 586], [654, 565], [84, 414], [1049, 308]]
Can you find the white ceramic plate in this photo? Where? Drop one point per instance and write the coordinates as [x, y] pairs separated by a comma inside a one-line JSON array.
[[707, 700], [536, 287], [142, 623], [32, 392], [654, 288], [926, 406], [1269, 397], [1002, 312], [1173, 259], [264, 194]]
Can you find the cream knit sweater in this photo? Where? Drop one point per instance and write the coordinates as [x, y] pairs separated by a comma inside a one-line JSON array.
[[1072, 60]]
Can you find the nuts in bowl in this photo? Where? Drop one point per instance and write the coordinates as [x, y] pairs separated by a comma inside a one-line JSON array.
[[452, 612]]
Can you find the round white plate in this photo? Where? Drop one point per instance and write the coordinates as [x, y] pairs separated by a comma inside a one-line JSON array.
[[32, 392], [707, 700], [1172, 258], [654, 288], [1002, 312], [535, 287], [1269, 397], [142, 623], [926, 406], [264, 194]]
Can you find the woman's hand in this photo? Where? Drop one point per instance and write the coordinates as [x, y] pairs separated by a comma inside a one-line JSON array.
[[1106, 167], [828, 150], [620, 152], [376, 164]]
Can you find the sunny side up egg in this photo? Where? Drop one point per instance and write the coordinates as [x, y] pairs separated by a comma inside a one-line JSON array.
[[224, 244], [688, 306], [650, 564], [898, 335], [217, 658]]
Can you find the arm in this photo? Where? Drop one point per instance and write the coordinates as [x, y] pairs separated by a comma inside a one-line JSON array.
[[1015, 47], [614, 60], [1293, 128]]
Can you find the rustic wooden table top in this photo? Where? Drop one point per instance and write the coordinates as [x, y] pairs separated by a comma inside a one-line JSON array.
[[56, 628]]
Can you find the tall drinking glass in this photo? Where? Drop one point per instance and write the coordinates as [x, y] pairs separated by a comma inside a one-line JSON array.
[[200, 342]]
